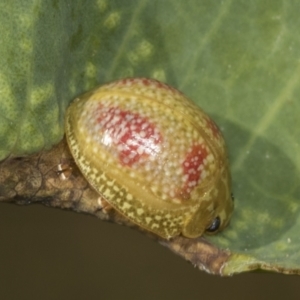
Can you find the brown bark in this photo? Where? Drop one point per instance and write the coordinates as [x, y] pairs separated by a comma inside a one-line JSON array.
[[52, 178]]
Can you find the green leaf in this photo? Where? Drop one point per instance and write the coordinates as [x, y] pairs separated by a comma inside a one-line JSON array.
[[239, 60]]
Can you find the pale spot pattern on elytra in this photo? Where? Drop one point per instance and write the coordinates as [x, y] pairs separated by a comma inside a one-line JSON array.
[[152, 154]]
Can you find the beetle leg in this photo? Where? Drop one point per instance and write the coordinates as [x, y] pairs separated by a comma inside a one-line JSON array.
[[104, 205]]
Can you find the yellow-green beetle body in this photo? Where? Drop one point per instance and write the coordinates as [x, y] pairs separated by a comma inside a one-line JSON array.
[[153, 155]]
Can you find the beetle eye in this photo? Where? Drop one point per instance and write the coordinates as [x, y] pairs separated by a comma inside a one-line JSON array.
[[214, 226]]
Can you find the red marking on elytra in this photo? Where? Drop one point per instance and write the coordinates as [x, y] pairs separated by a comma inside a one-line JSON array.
[[193, 167], [131, 135], [148, 82]]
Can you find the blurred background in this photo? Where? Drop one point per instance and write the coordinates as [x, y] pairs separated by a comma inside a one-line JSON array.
[[49, 253]]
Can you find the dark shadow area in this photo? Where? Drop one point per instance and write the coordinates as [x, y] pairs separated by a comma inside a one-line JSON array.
[[53, 254], [266, 190]]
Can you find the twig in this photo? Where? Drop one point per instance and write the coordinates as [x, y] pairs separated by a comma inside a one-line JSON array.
[[52, 178]]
